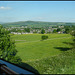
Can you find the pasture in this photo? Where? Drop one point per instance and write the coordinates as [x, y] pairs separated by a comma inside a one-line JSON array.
[[31, 48]]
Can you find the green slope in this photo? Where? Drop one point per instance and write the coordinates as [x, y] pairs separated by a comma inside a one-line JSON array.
[[35, 24]]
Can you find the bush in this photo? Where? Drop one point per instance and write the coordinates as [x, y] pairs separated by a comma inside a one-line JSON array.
[[44, 37]]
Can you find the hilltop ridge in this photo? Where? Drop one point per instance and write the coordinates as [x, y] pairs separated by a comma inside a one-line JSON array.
[[35, 24]]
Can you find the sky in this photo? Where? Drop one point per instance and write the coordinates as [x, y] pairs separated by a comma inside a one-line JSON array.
[[48, 11]]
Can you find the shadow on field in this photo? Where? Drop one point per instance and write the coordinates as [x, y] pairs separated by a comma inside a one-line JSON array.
[[66, 48], [29, 68], [68, 43], [62, 48]]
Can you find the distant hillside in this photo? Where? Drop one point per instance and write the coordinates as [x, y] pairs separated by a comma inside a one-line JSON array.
[[35, 24]]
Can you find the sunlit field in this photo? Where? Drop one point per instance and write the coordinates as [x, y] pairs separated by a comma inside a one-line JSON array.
[[30, 46], [51, 56]]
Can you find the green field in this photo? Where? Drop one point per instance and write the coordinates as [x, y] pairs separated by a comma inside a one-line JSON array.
[[31, 48], [51, 56]]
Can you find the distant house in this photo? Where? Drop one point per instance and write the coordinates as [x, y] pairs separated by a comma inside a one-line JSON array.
[[13, 33], [59, 32], [18, 33], [25, 26], [23, 33], [61, 26]]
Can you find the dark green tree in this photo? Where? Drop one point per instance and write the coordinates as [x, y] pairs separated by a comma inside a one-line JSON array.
[[42, 31], [54, 31], [7, 47], [44, 37], [58, 29], [67, 30], [27, 30]]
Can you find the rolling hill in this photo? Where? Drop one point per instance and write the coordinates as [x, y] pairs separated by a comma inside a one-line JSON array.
[[35, 24]]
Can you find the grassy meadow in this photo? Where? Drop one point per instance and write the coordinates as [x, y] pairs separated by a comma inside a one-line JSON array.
[[64, 63], [31, 48], [51, 56]]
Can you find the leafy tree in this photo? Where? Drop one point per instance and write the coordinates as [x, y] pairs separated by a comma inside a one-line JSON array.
[[7, 47], [42, 31], [67, 30], [27, 30], [54, 31], [44, 37], [58, 29]]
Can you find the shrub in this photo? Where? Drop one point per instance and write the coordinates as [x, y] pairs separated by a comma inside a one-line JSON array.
[[44, 37]]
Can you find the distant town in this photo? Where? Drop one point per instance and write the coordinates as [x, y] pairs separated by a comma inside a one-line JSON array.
[[31, 30]]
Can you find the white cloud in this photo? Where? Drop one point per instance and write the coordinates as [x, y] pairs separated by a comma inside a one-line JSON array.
[[5, 8]]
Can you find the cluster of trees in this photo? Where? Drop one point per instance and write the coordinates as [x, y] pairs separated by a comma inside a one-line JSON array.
[[58, 29], [7, 47], [27, 30], [67, 29], [19, 30]]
